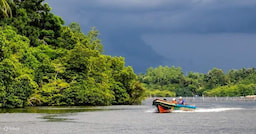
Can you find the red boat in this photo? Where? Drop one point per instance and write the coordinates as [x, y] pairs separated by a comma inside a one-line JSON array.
[[164, 106]]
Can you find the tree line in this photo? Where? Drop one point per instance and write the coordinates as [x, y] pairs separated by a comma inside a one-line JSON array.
[[44, 62], [170, 81]]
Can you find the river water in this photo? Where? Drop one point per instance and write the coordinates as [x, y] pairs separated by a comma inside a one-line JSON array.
[[210, 117]]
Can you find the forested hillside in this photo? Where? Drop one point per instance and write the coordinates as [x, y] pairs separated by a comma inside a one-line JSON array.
[[171, 81], [44, 62]]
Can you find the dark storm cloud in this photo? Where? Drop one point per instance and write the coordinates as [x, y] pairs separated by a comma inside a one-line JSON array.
[[172, 15], [134, 29], [199, 52]]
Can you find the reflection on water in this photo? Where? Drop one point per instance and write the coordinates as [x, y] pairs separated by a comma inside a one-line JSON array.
[[56, 118], [53, 110]]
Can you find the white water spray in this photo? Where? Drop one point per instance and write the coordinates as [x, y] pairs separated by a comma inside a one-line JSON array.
[[210, 110]]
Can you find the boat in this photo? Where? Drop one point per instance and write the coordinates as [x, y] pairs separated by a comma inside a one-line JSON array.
[[251, 97], [164, 106]]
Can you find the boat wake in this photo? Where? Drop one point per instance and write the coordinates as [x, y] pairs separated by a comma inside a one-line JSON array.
[[199, 110], [205, 110], [151, 110]]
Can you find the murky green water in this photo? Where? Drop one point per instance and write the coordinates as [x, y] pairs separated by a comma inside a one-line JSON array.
[[230, 117]]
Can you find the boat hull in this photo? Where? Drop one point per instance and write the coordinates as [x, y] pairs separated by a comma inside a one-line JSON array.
[[185, 107]]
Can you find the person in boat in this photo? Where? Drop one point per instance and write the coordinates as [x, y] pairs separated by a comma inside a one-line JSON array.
[[181, 101], [174, 100]]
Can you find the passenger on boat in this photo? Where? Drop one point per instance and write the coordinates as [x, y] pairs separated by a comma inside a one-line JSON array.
[[174, 100], [181, 101]]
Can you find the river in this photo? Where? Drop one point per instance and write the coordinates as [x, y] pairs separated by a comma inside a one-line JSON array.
[[210, 117]]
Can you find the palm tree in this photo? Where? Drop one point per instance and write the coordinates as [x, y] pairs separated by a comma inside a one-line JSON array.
[[5, 9]]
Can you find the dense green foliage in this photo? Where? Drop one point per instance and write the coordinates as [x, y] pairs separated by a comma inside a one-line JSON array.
[[43, 62], [171, 81], [5, 9]]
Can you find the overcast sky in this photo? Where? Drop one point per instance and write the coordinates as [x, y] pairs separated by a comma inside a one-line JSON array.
[[196, 35]]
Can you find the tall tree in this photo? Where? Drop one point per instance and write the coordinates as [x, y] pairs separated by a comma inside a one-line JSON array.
[[215, 77], [5, 9], [75, 27]]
